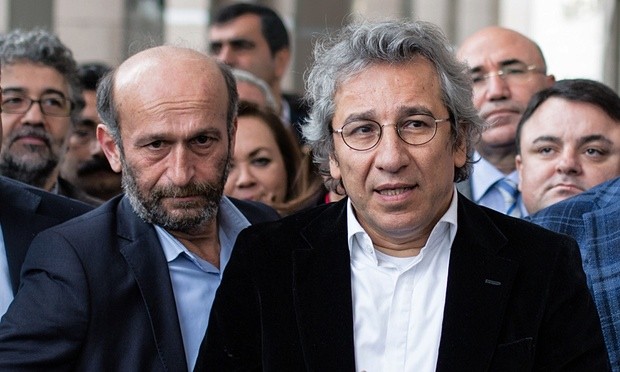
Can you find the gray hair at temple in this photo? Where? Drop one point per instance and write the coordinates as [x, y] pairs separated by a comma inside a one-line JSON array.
[[108, 112], [361, 45], [250, 78], [43, 48]]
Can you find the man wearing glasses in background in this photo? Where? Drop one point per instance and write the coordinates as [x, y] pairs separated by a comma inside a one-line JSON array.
[[41, 97], [506, 68]]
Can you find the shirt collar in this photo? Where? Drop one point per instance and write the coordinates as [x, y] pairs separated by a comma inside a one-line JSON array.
[[485, 175], [230, 223], [356, 231]]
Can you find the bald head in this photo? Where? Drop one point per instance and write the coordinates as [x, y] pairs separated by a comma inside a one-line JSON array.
[[498, 42], [507, 68], [164, 74]]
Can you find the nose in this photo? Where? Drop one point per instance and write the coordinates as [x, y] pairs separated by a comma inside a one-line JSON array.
[[569, 163], [245, 177], [34, 115], [180, 169], [391, 154], [496, 88]]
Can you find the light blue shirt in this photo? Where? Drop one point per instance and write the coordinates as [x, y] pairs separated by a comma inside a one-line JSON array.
[[483, 177], [194, 280], [6, 290]]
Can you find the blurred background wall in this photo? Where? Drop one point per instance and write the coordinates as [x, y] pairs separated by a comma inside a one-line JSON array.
[[580, 38]]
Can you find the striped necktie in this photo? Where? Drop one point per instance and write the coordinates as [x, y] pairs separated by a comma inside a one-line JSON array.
[[508, 189]]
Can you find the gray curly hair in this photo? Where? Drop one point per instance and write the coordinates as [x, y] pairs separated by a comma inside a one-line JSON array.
[[43, 47], [359, 45]]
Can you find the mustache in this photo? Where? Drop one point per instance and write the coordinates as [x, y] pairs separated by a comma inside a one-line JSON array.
[[94, 165], [28, 131], [491, 107], [192, 189]]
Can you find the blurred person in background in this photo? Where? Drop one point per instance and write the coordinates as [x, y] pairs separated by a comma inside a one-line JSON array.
[[252, 37], [253, 89], [268, 165], [85, 165], [41, 99], [568, 141], [506, 69]]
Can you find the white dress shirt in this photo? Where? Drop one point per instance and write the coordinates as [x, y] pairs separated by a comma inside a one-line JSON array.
[[398, 303]]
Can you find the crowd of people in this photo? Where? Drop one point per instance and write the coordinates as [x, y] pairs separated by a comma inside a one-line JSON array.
[[420, 208]]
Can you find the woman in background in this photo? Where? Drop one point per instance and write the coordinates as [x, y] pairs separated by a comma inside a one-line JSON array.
[[268, 165]]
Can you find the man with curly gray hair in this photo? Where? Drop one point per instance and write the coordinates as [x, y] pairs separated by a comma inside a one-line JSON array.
[[404, 274], [41, 97]]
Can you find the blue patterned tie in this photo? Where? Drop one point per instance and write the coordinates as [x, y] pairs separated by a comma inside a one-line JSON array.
[[508, 189]]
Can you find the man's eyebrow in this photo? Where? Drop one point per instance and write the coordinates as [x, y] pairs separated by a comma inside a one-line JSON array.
[[553, 139], [23, 91], [593, 138], [13, 90]]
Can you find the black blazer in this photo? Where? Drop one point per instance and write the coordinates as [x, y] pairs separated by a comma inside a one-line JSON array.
[[103, 301], [24, 212], [516, 299]]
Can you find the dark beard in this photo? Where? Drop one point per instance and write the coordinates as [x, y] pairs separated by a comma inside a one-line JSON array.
[[35, 174], [94, 165], [150, 209]]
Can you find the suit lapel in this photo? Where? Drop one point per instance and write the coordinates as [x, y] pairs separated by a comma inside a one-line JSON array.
[[17, 216], [479, 285], [322, 292], [142, 251]]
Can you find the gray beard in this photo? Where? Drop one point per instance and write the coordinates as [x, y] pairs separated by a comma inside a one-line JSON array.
[[150, 209], [35, 174]]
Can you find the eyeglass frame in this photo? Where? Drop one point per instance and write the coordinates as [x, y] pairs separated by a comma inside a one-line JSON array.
[[37, 101], [398, 128], [503, 74]]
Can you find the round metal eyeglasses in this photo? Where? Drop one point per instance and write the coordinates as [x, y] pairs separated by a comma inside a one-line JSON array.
[[365, 134]]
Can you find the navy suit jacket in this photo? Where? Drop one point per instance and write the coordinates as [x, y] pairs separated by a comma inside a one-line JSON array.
[[24, 212], [96, 295], [593, 219], [516, 299]]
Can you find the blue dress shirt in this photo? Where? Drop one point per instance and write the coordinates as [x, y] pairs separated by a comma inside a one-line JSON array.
[[195, 281]]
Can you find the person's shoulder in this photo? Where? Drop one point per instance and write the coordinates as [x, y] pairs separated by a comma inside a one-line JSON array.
[[47, 203], [291, 224], [516, 233], [255, 212]]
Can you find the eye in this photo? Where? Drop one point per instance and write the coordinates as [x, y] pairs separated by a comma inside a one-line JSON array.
[[12, 101], [593, 152], [155, 144], [215, 48], [82, 133], [545, 150], [203, 140], [361, 129], [261, 162], [242, 44], [516, 69], [477, 78], [53, 101]]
